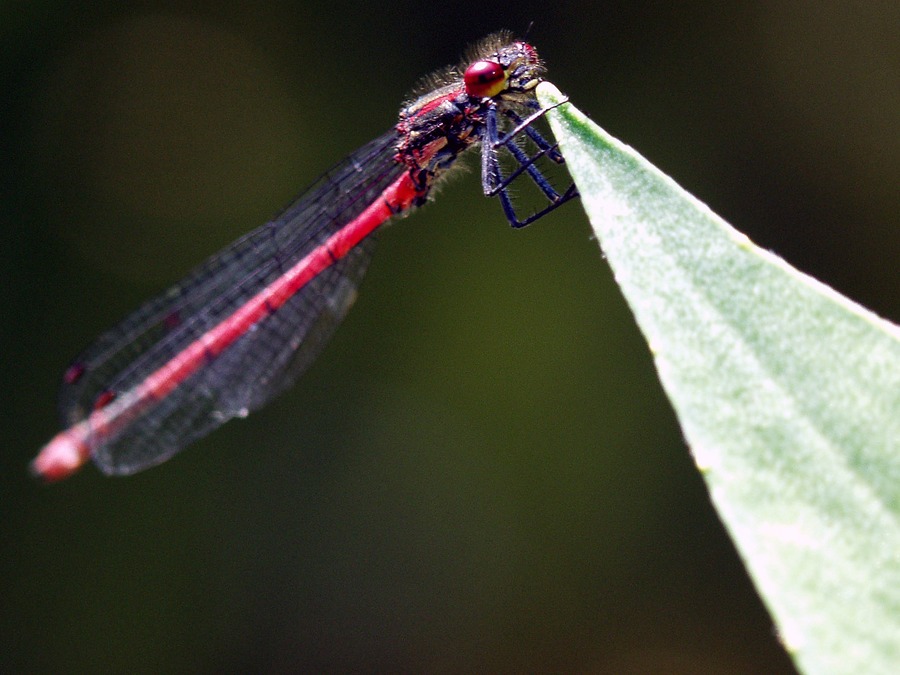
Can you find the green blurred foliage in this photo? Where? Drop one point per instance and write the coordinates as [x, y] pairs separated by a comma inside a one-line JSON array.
[[481, 473]]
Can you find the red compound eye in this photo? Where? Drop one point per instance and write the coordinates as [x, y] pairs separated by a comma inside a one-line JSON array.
[[484, 79]]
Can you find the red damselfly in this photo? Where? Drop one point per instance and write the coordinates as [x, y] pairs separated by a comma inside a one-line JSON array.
[[245, 324]]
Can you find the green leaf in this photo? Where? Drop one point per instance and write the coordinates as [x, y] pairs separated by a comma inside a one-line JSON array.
[[787, 392]]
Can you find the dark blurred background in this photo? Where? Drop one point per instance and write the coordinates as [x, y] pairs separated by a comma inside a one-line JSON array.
[[481, 473]]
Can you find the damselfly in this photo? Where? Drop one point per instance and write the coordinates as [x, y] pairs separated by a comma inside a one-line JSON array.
[[245, 324]]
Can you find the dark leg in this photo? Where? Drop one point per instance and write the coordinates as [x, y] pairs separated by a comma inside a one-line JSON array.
[[495, 184]]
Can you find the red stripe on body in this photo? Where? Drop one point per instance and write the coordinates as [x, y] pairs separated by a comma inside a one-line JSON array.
[[433, 103], [71, 448]]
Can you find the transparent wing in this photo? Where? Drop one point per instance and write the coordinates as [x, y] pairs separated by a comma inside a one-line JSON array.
[[258, 365]]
